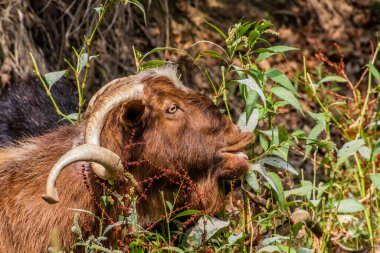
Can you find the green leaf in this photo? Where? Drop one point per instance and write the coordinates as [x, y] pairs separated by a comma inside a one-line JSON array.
[[111, 226], [153, 64], [250, 101], [260, 169], [234, 238], [277, 163], [261, 50], [374, 72], [314, 133], [73, 116], [274, 50], [186, 213], [279, 104], [365, 152], [376, 148], [252, 84], [274, 181], [140, 6], [319, 117], [282, 79], [304, 250], [93, 57], [205, 229], [211, 53], [349, 149], [282, 134], [304, 190], [288, 97], [83, 59], [274, 239], [263, 142], [252, 181], [375, 178], [244, 29], [170, 205], [286, 249], [281, 150], [349, 206], [261, 26], [332, 79], [252, 121], [252, 37], [272, 135], [84, 211], [53, 77], [296, 228], [280, 189], [298, 133], [281, 49], [269, 249], [217, 30]]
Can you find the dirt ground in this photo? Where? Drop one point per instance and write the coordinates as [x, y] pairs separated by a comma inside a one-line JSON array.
[[49, 28]]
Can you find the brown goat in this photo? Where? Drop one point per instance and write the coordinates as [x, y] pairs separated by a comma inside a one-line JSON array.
[[177, 127]]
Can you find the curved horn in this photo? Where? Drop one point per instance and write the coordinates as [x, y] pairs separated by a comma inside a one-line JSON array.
[[96, 120], [110, 162], [101, 90]]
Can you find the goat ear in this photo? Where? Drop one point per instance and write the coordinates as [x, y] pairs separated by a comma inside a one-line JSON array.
[[131, 113]]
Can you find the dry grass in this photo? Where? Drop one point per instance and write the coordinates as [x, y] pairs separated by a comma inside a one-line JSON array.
[[49, 28]]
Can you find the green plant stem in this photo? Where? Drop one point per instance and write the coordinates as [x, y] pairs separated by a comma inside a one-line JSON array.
[[225, 93], [226, 104], [359, 174], [80, 90], [376, 192], [361, 182], [366, 101], [77, 82], [81, 85], [245, 210], [166, 213], [88, 64], [136, 58], [359, 134], [37, 72], [315, 174], [362, 189]]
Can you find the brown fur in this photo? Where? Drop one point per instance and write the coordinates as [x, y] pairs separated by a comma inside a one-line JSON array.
[[192, 138], [27, 221]]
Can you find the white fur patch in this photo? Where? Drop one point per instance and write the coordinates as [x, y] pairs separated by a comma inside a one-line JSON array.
[[169, 70]]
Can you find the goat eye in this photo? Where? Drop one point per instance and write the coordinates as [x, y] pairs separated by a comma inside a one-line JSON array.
[[172, 109]]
